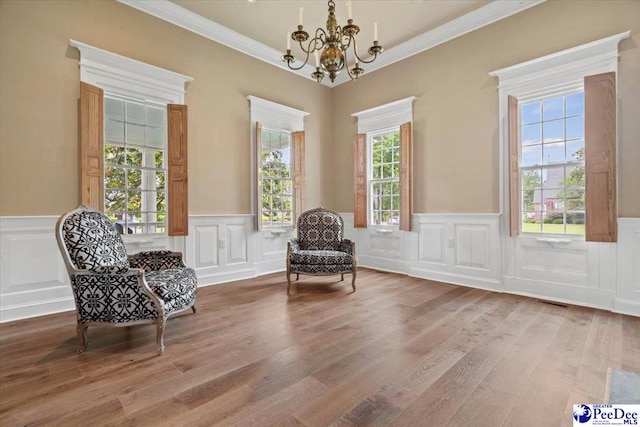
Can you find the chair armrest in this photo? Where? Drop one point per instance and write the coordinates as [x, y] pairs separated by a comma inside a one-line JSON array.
[[346, 245], [109, 269], [294, 245], [156, 260]]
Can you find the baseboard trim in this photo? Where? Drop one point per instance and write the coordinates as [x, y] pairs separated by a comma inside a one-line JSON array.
[[16, 312], [625, 306], [457, 279]]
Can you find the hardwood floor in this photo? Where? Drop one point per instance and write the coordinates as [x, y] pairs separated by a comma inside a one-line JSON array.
[[400, 351]]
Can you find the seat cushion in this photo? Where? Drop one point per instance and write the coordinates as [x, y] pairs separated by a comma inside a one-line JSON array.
[[321, 270], [321, 257], [176, 286]]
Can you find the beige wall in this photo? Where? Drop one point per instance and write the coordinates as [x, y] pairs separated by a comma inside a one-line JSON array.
[[39, 81], [455, 116], [456, 159]]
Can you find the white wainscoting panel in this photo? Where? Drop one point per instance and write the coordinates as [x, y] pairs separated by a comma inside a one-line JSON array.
[[432, 243], [627, 298], [217, 248], [33, 278]]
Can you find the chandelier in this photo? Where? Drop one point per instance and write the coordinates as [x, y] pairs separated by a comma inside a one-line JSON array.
[[333, 45]]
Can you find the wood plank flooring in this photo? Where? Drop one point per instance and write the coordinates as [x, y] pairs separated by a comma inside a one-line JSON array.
[[400, 351]]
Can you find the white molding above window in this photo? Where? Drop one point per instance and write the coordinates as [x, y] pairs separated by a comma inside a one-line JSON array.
[[119, 74], [274, 115], [560, 70], [385, 116]]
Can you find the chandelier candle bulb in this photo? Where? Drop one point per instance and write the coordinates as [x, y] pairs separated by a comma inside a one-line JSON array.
[[349, 11], [375, 31], [288, 41], [317, 59], [300, 16]]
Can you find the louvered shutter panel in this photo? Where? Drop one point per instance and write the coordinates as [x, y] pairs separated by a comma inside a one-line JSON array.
[[91, 146], [298, 174], [600, 158], [406, 176], [258, 195], [178, 194], [360, 181], [514, 168]]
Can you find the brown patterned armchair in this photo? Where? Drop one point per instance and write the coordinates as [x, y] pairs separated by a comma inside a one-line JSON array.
[[320, 248]]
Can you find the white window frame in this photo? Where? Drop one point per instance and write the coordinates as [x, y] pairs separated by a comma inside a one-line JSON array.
[[376, 121], [125, 77], [371, 180], [554, 74], [290, 179], [278, 117]]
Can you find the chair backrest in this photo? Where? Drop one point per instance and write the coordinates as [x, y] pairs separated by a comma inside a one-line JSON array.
[[320, 229], [91, 242]]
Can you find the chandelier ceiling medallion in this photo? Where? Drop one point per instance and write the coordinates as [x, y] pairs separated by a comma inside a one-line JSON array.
[[332, 45]]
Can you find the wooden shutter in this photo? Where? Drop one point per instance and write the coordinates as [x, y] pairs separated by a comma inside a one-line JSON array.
[[600, 158], [406, 176], [298, 174], [258, 195], [360, 181], [91, 146], [178, 193], [514, 168]]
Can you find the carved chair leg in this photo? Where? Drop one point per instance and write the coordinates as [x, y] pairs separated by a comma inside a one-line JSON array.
[[160, 324], [81, 328], [297, 276], [353, 280], [288, 281], [342, 277], [193, 308]]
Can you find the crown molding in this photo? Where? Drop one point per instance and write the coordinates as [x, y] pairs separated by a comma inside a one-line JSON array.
[[481, 17]]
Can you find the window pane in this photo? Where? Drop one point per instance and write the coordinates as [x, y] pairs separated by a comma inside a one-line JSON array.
[[377, 172], [387, 155], [531, 113], [395, 201], [114, 155], [159, 159], [113, 131], [575, 127], [531, 200], [531, 179], [574, 198], [575, 150], [155, 116], [553, 153], [114, 200], [553, 222], [531, 222], [135, 113], [575, 104], [396, 187], [532, 155], [575, 176], [155, 137], [396, 170], [553, 131], [161, 205], [552, 177], [134, 156], [114, 108], [160, 180], [134, 178], [531, 134], [135, 134], [114, 177], [387, 170], [553, 108], [134, 201]]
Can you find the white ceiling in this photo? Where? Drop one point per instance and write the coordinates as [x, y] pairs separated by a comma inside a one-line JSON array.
[[258, 28]]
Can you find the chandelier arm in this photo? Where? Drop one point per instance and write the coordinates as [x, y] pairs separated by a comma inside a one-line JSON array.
[[346, 62], [355, 52], [318, 42], [301, 66]]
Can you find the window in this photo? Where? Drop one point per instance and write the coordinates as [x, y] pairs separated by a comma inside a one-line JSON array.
[[133, 143], [384, 177], [135, 137], [552, 174], [558, 121], [382, 166], [277, 179], [278, 169]]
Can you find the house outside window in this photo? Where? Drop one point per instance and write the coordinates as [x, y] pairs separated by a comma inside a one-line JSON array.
[[278, 165], [135, 139], [384, 177], [277, 178], [552, 164]]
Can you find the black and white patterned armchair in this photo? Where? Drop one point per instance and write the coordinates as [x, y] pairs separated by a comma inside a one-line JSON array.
[[111, 288], [321, 249]]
